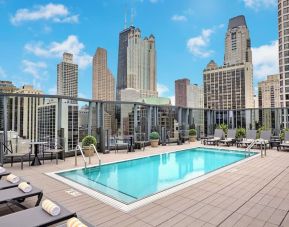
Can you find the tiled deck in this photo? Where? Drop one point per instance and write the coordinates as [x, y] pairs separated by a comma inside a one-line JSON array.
[[256, 193]]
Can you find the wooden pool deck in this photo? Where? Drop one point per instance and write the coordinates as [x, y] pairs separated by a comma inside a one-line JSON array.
[[253, 193]]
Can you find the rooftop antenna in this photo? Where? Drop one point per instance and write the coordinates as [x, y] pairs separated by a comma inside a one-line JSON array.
[[132, 16], [125, 20]]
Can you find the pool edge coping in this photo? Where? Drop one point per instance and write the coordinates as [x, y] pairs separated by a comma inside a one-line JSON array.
[[129, 207]]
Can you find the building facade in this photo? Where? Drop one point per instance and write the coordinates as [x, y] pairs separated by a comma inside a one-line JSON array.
[[136, 63], [103, 84], [67, 76], [269, 97], [24, 112], [283, 31], [230, 87], [58, 122], [237, 42]]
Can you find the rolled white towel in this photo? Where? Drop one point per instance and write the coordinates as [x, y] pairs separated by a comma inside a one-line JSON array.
[[2, 170], [50, 207], [12, 178], [75, 222], [25, 187]]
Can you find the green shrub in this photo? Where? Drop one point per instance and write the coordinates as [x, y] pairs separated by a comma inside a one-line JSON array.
[[240, 133], [88, 140], [282, 134], [154, 136], [262, 128], [192, 132], [224, 127]]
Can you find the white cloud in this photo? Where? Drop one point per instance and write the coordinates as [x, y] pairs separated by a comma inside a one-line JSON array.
[[179, 18], [2, 73], [57, 13], [56, 49], [36, 69], [173, 100], [162, 89], [265, 60], [257, 4], [198, 45]]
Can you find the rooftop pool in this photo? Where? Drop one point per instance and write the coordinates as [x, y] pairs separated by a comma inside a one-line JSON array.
[[133, 180]]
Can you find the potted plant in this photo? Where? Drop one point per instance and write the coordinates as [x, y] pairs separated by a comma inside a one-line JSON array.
[[282, 134], [192, 135], [240, 133], [154, 139], [86, 142], [224, 127]]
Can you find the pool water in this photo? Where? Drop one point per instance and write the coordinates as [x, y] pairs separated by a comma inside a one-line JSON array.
[[129, 181]]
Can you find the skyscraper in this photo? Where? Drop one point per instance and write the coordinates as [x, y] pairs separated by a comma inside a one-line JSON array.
[[238, 42], [67, 76], [230, 87], [103, 85], [283, 29], [136, 63]]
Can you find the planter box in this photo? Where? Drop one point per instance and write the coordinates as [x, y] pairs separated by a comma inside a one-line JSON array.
[[88, 151], [193, 138], [154, 143]]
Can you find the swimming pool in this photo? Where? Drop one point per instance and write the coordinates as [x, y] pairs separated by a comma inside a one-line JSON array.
[[133, 180]]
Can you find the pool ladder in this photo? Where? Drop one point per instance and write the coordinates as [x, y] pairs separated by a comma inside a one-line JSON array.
[[248, 149], [78, 148]]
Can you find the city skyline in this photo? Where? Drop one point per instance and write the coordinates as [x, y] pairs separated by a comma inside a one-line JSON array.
[[196, 39]]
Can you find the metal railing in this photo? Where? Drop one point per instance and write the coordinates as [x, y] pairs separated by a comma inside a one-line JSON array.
[[99, 160], [248, 149], [78, 148]]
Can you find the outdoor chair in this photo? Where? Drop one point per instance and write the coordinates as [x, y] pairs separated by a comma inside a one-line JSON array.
[[35, 216], [265, 138], [14, 195], [21, 151], [230, 139], [218, 136], [285, 143], [53, 148], [184, 135], [174, 139], [140, 140], [5, 173], [250, 137]]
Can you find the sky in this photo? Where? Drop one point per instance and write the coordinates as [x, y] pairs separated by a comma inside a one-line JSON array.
[[189, 33]]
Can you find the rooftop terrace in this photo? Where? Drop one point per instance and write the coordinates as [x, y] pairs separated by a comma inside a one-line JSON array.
[[253, 193]]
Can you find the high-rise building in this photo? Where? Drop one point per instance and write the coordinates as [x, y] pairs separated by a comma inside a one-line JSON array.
[[269, 97], [67, 76], [283, 29], [269, 92], [24, 112], [188, 95], [6, 87], [230, 87], [103, 85], [62, 128], [136, 63], [238, 42]]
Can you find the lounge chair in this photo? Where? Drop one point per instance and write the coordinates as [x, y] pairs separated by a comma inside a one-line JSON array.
[[120, 143], [14, 195], [231, 138], [285, 143], [6, 173], [53, 148], [250, 137], [5, 184], [35, 216], [218, 136], [265, 138]]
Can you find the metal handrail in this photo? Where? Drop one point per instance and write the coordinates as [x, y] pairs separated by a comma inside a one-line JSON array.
[[83, 157], [99, 160], [248, 149]]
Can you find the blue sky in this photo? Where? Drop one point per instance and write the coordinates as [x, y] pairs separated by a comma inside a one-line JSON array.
[[189, 33]]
